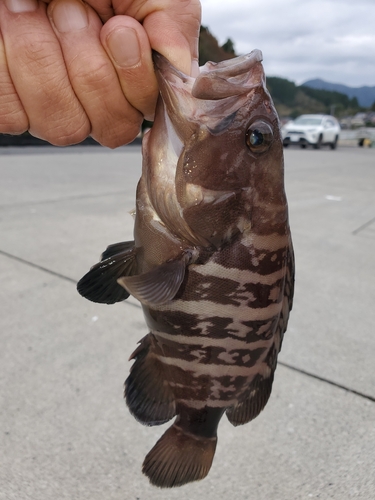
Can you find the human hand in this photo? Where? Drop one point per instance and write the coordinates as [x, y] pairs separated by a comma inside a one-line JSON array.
[[64, 75]]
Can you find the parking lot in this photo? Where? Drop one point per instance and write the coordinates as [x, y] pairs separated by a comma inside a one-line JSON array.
[[65, 432]]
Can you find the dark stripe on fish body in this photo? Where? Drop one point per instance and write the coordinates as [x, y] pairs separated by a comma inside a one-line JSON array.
[[187, 385], [259, 260], [180, 323], [226, 291], [206, 389], [211, 355]]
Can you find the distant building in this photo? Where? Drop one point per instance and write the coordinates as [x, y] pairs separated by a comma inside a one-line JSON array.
[[359, 120]]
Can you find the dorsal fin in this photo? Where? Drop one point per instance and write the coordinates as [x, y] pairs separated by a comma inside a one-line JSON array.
[[253, 404]]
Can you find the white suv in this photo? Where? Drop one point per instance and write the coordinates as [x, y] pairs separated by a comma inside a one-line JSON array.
[[314, 130]]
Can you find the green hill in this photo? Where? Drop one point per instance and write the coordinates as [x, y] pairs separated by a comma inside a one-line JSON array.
[[292, 100], [364, 94], [210, 50]]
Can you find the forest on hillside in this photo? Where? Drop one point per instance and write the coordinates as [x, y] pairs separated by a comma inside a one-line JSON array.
[[290, 99]]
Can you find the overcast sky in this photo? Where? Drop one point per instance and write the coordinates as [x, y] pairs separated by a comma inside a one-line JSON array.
[[301, 39]]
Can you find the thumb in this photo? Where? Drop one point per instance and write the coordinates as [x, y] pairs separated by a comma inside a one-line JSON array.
[[172, 27]]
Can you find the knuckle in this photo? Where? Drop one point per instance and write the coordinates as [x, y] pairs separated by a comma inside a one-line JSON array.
[[90, 76], [118, 136], [13, 119], [14, 122], [68, 137], [64, 133]]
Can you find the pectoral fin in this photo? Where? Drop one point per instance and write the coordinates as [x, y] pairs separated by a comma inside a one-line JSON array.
[[159, 285], [100, 283]]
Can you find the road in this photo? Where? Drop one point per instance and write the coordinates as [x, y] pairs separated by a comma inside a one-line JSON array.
[[65, 432]]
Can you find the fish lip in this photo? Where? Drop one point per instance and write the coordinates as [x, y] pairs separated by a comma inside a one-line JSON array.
[[218, 91], [228, 68], [235, 66], [235, 69], [167, 73]]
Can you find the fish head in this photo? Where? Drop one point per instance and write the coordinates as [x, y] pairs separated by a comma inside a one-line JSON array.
[[221, 136]]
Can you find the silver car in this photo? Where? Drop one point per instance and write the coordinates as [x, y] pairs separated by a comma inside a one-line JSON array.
[[313, 130]]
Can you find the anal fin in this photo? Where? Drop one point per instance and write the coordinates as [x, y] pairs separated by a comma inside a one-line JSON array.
[[147, 392], [100, 283]]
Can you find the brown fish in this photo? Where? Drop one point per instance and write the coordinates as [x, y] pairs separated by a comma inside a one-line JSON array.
[[211, 262]]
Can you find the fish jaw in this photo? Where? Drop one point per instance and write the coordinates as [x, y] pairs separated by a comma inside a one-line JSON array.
[[232, 77], [204, 182], [218, 91]]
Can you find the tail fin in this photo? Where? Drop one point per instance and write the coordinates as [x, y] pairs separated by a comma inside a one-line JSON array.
[[179, 458]]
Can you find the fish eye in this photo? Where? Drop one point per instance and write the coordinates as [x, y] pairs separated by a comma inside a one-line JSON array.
[[259, 137]]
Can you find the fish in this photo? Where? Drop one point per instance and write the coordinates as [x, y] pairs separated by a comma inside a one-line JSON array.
[[211, 263]]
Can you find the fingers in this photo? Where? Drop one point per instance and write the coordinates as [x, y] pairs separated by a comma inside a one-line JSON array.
[[40, 88], [172, 27], [57, 79], [128, 47], [13, 118], [103, 8], [114, 121], [65, 75]]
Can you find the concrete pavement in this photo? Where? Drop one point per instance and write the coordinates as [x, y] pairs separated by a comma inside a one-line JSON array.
[[65, 432]]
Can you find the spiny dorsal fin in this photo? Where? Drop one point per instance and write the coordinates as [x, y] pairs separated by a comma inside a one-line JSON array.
[[159, 285], [100, 283], [179, 458]]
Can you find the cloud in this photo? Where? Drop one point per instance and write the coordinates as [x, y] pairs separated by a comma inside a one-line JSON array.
[[333, 40]]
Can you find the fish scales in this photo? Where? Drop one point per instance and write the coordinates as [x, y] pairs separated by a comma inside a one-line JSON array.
[[211, 262]]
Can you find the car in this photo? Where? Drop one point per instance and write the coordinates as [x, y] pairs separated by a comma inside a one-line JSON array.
[[311, 130]]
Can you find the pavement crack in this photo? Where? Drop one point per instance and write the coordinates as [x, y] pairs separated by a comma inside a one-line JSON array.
[[327, 381], [53, 273], [63, 199], [366, 224], [37, 266]]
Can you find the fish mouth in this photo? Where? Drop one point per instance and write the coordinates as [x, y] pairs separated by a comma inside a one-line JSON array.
[[218, 91], [228, 78]]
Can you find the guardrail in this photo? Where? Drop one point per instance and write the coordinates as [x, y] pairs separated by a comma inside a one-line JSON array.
[[364, 136]]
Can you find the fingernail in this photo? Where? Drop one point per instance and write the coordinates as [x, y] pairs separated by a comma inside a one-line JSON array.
[[18, 6], [69, 16], [124, 46]]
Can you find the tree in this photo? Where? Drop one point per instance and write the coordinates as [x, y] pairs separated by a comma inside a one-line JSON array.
[[354, 103], [228, 47], [282, 90], [210, 50]]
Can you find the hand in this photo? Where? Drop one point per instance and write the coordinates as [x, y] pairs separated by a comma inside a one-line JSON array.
[[64, 75]]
